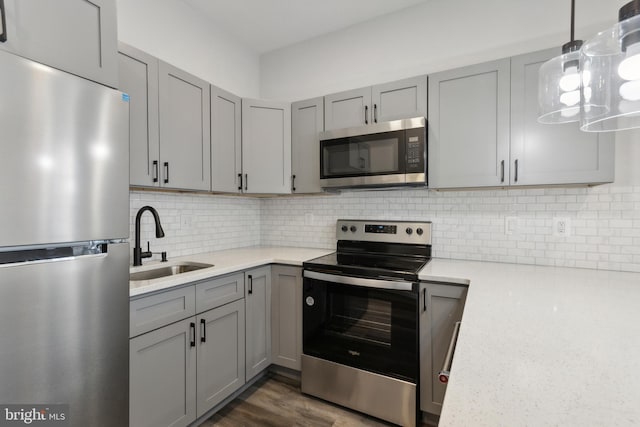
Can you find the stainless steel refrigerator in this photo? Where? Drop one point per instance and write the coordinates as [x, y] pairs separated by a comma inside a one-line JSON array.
[[64, 253]]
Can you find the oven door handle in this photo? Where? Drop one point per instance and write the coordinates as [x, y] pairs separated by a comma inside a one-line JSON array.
[[358, 281]]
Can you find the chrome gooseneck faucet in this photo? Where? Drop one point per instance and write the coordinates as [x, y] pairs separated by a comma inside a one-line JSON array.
[[137, 250]]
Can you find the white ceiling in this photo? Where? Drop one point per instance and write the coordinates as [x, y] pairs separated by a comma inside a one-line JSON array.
[[266, 25]]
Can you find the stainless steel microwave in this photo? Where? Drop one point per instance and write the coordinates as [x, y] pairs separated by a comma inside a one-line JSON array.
[[378, 155]]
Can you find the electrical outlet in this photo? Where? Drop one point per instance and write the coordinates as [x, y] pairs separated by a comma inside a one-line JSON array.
[[561, 227]]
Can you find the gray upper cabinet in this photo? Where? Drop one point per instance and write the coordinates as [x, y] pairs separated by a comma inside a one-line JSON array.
[[77, 36], [551, 154], [469, 126], [170, 144], [400, 99], [163, 376], [286, 316], [138, 77], [185, 144], [442, 308], [258, 320], [389, 101], [347, 109], [226, 141], [266, 147], [307, 120]]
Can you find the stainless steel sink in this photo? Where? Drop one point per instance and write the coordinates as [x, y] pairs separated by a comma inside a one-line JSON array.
[[167, 270]]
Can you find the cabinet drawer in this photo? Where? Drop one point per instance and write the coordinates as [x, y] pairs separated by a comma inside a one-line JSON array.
[[161, 309], [216, 292]]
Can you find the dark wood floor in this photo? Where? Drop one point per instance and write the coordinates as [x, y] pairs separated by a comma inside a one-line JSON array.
[[276, 401]]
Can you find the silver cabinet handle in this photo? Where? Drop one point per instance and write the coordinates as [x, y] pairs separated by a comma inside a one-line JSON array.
[[443, 376], [3, 23]]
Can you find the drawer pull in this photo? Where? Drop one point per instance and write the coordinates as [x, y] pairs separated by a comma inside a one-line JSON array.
[[192, 326], [203, 330]]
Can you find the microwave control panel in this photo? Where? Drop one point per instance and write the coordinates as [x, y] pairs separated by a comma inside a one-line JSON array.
[[416, 150]]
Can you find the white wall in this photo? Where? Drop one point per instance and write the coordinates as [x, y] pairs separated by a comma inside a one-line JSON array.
[[176, 33], [433, 36]]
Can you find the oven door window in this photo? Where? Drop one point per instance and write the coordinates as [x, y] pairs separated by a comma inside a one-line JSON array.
[[378, 154], [366, 328]]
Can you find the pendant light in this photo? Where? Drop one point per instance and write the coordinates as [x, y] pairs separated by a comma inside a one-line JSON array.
[[611, 63], [559, 95]]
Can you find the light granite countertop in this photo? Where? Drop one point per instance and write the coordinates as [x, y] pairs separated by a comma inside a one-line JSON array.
[[538, 346], [543, 346], [224, 262]]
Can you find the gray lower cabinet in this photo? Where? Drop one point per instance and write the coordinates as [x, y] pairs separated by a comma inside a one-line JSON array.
[[162, 366], [551, 154], [307, 121], [441, 306], [183, 364], [266, 147], [220, 354], [400, 99], [469, 126], [226, 141], [76, 36], [258, 320], [286, 316], [169, 132]]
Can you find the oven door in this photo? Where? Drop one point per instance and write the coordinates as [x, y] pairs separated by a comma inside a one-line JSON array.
[[364, 323]]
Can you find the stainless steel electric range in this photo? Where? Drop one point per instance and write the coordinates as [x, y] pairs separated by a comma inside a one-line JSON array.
[[360, 318]]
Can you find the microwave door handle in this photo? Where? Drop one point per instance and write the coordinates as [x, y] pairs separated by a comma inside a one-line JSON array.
[[358, 281]]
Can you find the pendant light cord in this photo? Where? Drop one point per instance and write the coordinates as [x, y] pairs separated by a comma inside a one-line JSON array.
[[573, 19]]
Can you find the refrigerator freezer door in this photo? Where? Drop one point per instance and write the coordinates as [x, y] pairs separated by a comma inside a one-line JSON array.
[[64, 157], [64, 329]]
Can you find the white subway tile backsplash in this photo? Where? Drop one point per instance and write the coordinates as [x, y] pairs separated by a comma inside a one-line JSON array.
[[196, 223], [605, 222]]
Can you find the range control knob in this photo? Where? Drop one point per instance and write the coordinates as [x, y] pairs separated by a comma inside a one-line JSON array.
[[409, 230], [353, 228], [344, 228], [419, 231]]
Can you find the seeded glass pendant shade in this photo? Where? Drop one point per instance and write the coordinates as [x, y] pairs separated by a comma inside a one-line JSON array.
[[560, 98], [611, 60]]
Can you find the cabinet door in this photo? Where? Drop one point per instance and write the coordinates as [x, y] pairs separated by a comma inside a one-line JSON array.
[[266, 146], [286, 316], [307, 120], [258, 320], [469, 126], [138, 77], [185, 146], [441, 307], [551, 154], [226, 141], [77, 36], [163, 376], [401, 99], [221, 354], [347, 109]]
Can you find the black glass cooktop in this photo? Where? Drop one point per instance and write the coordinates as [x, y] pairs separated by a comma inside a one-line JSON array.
[[374, 261]]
